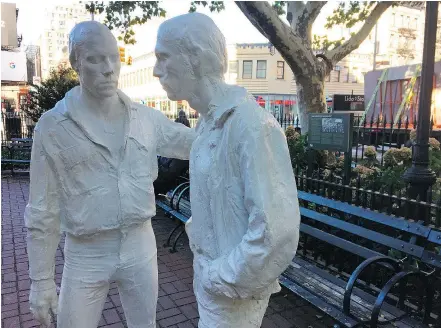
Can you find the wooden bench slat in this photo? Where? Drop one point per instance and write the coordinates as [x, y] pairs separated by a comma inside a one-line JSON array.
[[330, 293], [338, 242], [364, 233], [17, 161], [435, 237], [358, 295], [399, 223], [362, 304], [330, 310]]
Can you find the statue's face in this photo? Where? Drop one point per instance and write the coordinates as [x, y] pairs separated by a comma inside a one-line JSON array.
[[99, 65], [174, 70]]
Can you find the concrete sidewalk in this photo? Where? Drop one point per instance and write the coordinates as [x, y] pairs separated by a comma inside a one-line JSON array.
[[176, 305]]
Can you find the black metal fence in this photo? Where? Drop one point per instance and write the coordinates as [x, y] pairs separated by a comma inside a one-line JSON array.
[[379, 133], [370, 175], [15, 125]]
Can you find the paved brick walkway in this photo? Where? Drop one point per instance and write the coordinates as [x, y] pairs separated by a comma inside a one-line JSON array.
[[176, 305]]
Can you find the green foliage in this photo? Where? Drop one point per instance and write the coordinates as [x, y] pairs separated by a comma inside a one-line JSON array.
[[279, 7], [350, 13], [369, 173], [121, 15], [346, 14], [321, 43], [215, 6], [44, 97], [297, 147]]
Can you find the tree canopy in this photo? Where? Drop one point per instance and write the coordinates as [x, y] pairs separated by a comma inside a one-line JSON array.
[[43, 97]]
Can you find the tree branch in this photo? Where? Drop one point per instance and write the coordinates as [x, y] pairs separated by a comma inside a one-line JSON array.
[[293, 48], [340, 52], [302, 16], [314, 8]]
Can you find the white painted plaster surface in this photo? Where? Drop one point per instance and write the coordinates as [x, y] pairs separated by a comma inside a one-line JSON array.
[[92, 170], [245, 220]]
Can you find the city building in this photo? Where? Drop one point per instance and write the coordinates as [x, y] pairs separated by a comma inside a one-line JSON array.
[[13, 61], [57, 23], [256, 66], [33, 63], [397, 39]]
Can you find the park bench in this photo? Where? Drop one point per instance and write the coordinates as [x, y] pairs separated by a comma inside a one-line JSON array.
[[341, 249], [176, 205], [339, 279], [17, 153]]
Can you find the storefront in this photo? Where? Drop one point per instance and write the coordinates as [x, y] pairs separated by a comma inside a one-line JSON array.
[[279, 105]]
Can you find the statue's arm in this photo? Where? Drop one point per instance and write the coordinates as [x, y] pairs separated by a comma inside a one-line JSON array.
[[174, 140], [42, 216], [270, 242]]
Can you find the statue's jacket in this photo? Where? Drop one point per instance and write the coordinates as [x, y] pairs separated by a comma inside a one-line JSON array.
[[78, 187], [245, 220]]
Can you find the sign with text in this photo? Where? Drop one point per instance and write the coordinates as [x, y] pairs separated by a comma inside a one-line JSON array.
[[331, 131], [346, 103]]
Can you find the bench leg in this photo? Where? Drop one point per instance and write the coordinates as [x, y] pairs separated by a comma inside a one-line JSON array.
[[173, 250], [167, 244]]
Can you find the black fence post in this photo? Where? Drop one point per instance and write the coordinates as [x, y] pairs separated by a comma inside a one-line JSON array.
[[347, 175]]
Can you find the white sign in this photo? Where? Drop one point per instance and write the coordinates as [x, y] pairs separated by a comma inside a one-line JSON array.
[[13, 66]]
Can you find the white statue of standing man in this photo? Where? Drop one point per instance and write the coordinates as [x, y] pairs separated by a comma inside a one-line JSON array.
[[94, 160], [245, 215]]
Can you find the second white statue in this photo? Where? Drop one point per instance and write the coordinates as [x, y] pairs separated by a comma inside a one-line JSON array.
[[245, 214]]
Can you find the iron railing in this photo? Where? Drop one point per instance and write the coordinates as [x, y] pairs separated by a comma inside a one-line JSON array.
[[15, 125]]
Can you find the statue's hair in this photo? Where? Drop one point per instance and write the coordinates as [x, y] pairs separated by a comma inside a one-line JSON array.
[[199, 38], [78, 37]]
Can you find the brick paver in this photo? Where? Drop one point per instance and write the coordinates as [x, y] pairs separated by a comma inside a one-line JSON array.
[[177, 305]]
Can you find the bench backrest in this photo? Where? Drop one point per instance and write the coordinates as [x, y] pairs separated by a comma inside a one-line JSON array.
[[413, 237]]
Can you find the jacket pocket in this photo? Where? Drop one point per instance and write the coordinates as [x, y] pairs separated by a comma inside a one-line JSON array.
[[81, 169], [74, 155]]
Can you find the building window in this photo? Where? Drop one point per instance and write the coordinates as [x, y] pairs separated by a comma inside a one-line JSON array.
[[261, 69], [280, 70], [247, 72], [393, 19], [232, 69]]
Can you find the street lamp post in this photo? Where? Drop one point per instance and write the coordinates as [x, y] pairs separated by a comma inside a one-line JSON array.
[[420, 176]]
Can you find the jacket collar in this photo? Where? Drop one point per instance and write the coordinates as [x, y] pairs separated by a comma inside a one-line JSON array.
[[225, 103], [80, 115]]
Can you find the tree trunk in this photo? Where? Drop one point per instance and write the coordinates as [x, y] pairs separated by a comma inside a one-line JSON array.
[[310, 98]]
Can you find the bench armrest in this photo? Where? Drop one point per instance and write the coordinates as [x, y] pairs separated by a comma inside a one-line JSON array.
[[402, 277], [358, 271]]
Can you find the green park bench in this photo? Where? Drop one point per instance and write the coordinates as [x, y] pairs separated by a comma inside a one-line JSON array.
[[17, 153], [354, 264]]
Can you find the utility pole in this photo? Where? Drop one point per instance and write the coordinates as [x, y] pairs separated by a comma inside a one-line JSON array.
[[420, 176]]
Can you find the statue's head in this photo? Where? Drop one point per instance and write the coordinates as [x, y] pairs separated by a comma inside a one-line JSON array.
[[189, 48], [94, 55]]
